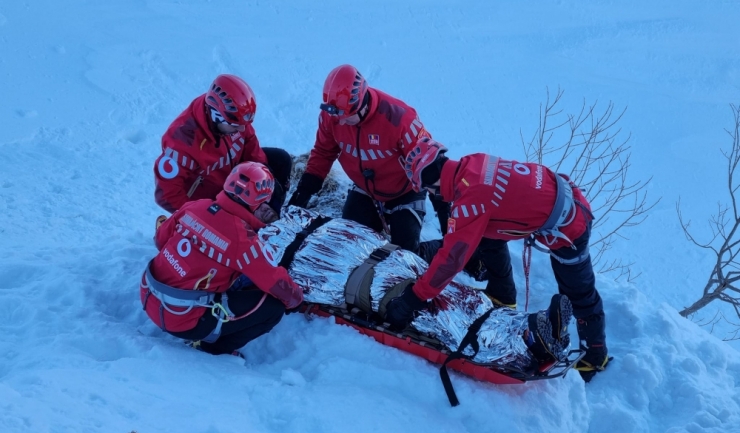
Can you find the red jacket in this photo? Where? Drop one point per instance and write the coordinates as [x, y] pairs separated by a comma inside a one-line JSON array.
[[206, 245], [375, 144], [190, 151], [496, 199]]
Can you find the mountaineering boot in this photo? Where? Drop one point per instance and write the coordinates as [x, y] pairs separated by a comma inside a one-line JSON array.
[[160, 220], [498, 304], [560, 312], [196, 344], [595, 361], [547, 336], [476, 269], [238, 354], [591, 334]]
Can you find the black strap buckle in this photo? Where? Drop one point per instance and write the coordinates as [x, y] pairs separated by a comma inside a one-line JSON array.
[[380, 254]]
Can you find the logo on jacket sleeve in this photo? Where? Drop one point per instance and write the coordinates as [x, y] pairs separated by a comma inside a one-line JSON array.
[[373, 139], [167, 164], [451, 225]]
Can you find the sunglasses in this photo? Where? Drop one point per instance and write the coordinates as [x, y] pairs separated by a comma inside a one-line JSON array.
[[217, 118], [331, 109]]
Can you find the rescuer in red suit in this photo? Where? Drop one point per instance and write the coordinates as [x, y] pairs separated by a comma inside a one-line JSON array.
[[204, 247], [494, 201], [207, 140], [367, 130]]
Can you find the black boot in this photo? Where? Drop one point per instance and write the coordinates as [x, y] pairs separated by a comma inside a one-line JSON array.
[[475, 268], [591, 334], [497, 303], [547, 337]]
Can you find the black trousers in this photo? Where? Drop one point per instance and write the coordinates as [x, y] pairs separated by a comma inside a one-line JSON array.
[[495, 257], [237, 333], [442, 208], [576, 281], [280, 163], [404, 226]]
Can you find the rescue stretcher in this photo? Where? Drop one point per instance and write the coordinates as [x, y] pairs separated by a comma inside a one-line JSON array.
[[313, 254], [437, 353]]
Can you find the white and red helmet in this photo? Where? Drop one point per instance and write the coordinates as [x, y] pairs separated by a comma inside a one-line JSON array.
[[423, 154], [232, 99], [250, 183], [344, 90]]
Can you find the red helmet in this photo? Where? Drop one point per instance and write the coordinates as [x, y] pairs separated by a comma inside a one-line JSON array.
[[233, 99], [344, 90], [250, 183], [423, 154]]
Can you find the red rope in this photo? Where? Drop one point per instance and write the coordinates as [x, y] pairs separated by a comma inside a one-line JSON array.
[[259, 304], [526, 263]]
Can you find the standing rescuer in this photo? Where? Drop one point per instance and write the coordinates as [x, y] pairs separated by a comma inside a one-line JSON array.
[[207, 140], [367, 130], [495, 201], [204, 248]]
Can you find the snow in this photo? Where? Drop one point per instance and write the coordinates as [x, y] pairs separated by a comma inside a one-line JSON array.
[[89, 87]]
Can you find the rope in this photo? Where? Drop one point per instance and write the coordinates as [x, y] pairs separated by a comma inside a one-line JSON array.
[[256, 307], [526, 264], [228, 316]]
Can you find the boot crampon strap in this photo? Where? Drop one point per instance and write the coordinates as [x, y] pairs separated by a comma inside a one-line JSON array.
[[595, 361]]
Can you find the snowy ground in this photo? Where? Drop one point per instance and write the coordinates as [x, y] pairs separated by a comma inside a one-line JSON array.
[[89, 87]]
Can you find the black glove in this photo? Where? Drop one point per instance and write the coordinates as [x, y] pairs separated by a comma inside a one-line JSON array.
[[277, 200], [296, 309], [309, 185], [400, 310]]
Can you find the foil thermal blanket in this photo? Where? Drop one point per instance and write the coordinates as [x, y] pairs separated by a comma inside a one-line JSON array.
[[326, 258]]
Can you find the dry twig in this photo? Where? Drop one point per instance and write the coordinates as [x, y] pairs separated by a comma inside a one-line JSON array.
[[587, 147]]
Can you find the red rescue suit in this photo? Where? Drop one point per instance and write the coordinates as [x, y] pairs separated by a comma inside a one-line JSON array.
[[206, 245], [497, 199], [195, 162], [374, 145]]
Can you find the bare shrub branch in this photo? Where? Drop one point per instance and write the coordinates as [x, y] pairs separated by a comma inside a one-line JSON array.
[[724, 241], [587, 146]]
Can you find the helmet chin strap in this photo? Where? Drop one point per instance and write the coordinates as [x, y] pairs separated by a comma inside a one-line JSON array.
[[241, 202], [365, 108], [435, 191]]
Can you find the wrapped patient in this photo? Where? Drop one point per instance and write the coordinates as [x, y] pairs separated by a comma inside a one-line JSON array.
[[342, 262]]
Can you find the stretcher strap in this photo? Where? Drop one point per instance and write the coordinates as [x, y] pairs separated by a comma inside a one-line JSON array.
[[470, 339], [357, 288], [290, 251]]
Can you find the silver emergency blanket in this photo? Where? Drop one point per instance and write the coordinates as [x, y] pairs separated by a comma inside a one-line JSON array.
[[325, 259]]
